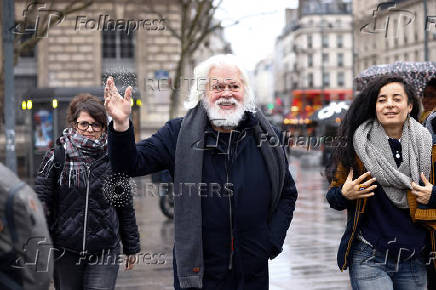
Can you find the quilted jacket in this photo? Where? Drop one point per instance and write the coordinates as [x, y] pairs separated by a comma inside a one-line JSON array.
[[82, 225]]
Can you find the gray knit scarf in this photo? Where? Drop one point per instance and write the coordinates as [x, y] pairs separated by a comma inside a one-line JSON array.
[[371, 145]]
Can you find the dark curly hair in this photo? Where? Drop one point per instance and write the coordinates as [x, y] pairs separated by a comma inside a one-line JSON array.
[[362, 109], [87, 103]]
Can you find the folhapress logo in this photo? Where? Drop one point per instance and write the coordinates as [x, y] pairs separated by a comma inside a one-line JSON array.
[[37, 28], [392, 11]]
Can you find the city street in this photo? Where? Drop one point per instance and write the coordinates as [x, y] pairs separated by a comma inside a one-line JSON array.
[[308, 260]]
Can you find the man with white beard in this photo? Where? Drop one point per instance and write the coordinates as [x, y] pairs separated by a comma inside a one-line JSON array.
[[234, 194]]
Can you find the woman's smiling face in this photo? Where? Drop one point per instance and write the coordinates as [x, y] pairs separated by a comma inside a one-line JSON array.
[[392, 105]]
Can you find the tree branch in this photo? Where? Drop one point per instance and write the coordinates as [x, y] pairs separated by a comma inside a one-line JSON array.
[[194, 24], [200, 39], [170, 28]]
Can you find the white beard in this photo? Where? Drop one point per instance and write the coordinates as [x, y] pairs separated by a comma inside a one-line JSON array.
[[221, 118]]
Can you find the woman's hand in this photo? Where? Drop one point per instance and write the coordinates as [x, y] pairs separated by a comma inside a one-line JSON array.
[[130, 261], [422, 193], [117, 107], [355, 189]]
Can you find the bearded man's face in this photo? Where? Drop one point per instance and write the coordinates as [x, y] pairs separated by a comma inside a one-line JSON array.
[[224, 101]]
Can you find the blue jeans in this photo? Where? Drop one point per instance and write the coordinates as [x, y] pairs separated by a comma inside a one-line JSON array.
[[370, 270], [75, 272]]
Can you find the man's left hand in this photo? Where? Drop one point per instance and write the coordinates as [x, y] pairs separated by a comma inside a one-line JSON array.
[[422, 193]]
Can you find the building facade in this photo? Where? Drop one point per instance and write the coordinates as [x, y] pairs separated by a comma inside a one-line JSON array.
[[387, 31], [123, 39], [317, 49], [263, 83], [89, 45]]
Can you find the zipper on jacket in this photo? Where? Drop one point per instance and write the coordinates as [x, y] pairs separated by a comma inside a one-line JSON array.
[[88, 169], [231, 156], [230, 218]]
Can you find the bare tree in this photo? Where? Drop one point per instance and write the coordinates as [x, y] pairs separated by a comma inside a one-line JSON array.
[[23, 43], [197, 23]]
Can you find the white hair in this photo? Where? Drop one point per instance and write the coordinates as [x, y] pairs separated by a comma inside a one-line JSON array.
[[201, 73]]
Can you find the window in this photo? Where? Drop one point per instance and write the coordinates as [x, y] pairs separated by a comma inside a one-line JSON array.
[[310, 80], [309, 60], [325, 58], [326, 79], [127, 46], [340, 79], [325, 41], [309, 41], [118, 44], [339, 41], [340, 59]]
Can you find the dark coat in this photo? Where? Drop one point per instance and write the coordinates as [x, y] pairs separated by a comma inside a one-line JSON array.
[[259, 231], [356, 209], [66, 207]]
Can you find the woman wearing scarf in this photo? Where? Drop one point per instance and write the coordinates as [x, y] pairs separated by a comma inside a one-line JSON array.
[[381, 177], [86, 225]]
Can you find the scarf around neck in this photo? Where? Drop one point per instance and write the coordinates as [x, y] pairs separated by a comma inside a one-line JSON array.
[[188, 171], [80, 152], [372, 147]]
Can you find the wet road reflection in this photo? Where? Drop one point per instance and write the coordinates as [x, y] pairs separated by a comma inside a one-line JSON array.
[[308, 260]]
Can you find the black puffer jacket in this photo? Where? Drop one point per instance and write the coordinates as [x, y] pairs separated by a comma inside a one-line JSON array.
[[66, 210]]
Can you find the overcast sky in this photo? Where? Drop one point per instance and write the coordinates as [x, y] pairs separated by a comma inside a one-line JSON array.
[[260, 23]]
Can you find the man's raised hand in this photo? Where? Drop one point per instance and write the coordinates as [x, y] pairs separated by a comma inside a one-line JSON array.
[[117, 107]]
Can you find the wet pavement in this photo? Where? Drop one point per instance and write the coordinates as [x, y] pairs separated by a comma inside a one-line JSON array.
[[308, 260]]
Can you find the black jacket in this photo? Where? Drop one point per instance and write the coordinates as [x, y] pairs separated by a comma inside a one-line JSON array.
[[66, 209], [258, 235], [356, 211]]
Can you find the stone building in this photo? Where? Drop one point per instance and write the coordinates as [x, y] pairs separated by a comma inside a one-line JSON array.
[[119, 38], [389, 31], [316, 46]]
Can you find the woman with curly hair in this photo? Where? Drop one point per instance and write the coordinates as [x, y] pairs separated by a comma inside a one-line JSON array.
[[381, 177]]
